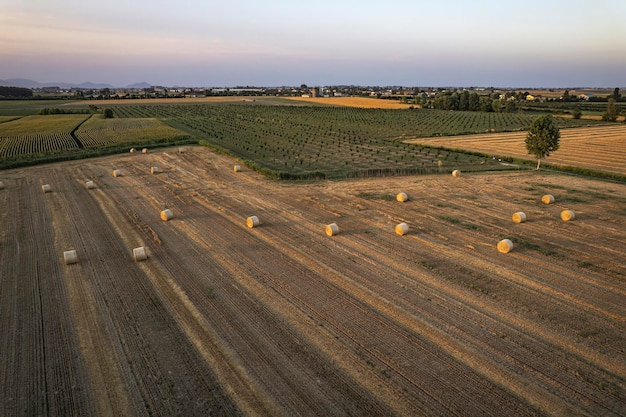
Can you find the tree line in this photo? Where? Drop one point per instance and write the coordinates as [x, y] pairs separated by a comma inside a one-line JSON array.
[[15, 92]]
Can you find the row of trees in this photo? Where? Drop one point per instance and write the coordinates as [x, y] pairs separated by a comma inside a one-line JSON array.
[[466, 101], [15, 92]]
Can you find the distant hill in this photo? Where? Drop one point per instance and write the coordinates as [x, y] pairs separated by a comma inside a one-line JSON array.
[[26, 83]]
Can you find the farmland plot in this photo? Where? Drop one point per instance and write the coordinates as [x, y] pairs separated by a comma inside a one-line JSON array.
[[283, 320], [599, 148]]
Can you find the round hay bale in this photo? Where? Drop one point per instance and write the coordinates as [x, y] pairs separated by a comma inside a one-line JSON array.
[[456, 173], [402, 197], [117, 173], [133, 150], [70, 257], [237, 168], [144, 150], [166, 215], [252, 221], [332, 229], [139, 254], [505, 246], [46, 188], [519, 217], [181, 150], [90, 185], [1, 185], [547, 199], [402, 229], [154, 170], [567, 215]]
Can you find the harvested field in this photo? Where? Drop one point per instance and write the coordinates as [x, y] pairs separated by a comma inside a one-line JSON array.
[[222, 319], [361, 102], [599, 148]]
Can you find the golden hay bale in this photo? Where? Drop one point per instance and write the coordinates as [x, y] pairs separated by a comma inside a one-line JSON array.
[[139, 254], [505, 246], [402, 229], [133, 150], [252, 221], [1, 185], [181, 150], [70, 257], [154, 170], [519, 217], [46, 188], [332, 229], [166, 215], [144, 150], [117, 173], [237, 168], [402, 197], [547, 199], [456, 173], [90, 185], [567, 215]]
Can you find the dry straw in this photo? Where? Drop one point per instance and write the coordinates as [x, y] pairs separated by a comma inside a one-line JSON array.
[[166, 215], [70, 257], [567, 215], [1, 185], [117, 173], [46, 188], [332, 229], [402, 229], [547, 199], [456, 173], [139, 254], [252, 221], [237, 168], [519, 217], [90, 185], [505, 246], [402, 197], [154, 170]]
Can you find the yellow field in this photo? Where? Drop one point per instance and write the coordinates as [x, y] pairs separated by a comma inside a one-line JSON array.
[[362, 102], [600, 148], [37, 125]]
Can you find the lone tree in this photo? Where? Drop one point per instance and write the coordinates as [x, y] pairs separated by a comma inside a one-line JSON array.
[[542, 138], [612, 111]]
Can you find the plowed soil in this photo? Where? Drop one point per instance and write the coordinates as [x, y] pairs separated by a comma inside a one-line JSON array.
[[281, 319]]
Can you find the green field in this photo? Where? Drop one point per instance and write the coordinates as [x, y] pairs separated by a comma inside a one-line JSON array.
[[282, 141]]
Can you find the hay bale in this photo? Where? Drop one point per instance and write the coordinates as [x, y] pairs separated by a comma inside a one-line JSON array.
[[1, 185], [402, 229], [166, 215], [90, 185], [46, 188], [402, 197], [154, 170], [332, 229], [547, 199], [505, 246], [117, 173], [456, 173], [133, 150], [519, 217], [237, 168], [567, 215], [181, 150], [70, 257], [252, 221], [144, 150], [139, 254]]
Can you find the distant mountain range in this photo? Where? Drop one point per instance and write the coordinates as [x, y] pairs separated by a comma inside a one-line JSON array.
[[25, 83]]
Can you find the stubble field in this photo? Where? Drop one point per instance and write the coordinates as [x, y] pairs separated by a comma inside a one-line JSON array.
[[281, 319]]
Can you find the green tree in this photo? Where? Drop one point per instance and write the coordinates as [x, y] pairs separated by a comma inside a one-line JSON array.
[[108, 113], [576, 113], [612, 111], [542, 138], [616, 94]]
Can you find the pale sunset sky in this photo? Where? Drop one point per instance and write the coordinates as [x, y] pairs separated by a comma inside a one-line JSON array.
[[200, 43]]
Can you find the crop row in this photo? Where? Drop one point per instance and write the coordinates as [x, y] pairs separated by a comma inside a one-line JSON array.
[[24, 145]]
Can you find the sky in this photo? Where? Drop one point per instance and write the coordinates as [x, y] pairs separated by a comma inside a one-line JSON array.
[[228, 43]]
